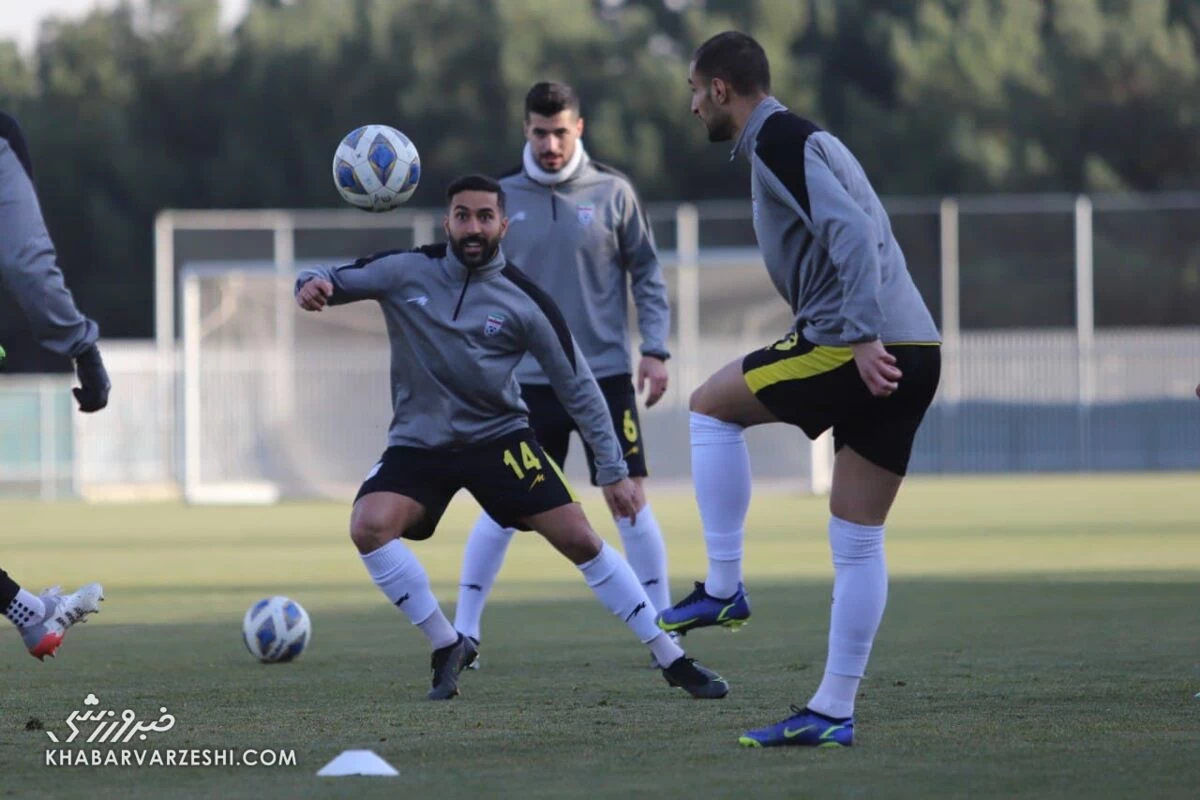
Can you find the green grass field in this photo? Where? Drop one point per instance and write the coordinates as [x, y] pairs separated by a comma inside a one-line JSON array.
[[1041, 640]]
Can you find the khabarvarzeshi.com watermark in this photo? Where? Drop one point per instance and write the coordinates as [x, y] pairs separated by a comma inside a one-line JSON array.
[[105, 745]]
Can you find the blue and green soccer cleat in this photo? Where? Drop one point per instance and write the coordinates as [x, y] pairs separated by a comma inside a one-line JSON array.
[[700, 610], [803, 729]]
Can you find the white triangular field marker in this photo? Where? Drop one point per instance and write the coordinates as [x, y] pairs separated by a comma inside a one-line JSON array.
[[357, 762]]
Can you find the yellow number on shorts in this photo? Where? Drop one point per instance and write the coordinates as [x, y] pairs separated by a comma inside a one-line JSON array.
[[527, 455], [511, 461], [631, 431], [530, 459]]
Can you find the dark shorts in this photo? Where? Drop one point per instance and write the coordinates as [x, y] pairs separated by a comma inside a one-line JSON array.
[[817, 387], [553, 425], [511, 477]]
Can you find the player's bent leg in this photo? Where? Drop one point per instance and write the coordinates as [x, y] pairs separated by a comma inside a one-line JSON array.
[[44, 619], [377, 522], [612, 580], [722, 408]]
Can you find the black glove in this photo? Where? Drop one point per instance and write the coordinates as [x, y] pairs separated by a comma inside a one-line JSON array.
[[92, 392]]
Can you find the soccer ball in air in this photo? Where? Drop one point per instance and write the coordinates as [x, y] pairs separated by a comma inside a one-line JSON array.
[[376, 168], [276, 630]]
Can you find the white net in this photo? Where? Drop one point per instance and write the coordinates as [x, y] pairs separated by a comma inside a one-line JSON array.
[[283, 403]]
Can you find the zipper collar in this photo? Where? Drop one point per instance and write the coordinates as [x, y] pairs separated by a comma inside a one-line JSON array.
[[460, 272]]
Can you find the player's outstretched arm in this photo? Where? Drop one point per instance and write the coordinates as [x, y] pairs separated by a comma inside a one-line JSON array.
[[366, 279], [29, 269]]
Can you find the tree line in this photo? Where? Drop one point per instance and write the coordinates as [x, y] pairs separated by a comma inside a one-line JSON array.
[[137, 108]]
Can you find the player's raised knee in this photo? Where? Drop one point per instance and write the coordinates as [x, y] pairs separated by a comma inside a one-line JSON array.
[[703, 400], [723, 396]]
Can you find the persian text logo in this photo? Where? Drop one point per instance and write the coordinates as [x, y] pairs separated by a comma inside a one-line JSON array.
[[105, 744], [112, 729]]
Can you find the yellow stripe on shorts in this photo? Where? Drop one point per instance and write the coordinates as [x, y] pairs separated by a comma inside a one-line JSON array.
[[819, 360], [563, 478]]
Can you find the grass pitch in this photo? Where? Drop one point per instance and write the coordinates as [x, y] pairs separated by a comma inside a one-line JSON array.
[[1040, 640]]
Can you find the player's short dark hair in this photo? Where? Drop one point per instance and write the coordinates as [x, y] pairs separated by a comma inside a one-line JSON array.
[[476, 183], [548, 98], [736, 59]]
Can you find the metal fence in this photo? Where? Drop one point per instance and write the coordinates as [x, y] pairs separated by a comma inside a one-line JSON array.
[[1071, 325]]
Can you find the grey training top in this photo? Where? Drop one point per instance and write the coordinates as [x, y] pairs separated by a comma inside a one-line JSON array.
[[457, 335], [585, 241], [825, 238], [28, 262]]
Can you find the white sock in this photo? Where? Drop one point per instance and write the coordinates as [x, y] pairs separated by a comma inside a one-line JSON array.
[[482, 559], [25, 609], [438, 630], [609, 576], [860, 586], [665, 649], [646, 553], [721, 478], [403, 581]]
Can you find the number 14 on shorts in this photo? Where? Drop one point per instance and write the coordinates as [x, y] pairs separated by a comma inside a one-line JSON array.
[[529, 460]]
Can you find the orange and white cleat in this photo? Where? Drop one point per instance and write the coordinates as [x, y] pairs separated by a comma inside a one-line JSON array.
[[62, 611]]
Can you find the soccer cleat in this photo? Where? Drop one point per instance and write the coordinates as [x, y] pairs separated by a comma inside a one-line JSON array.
[[446, 664], [699, 610], [698, 681], [803, 729], [474, 663], [62, 611]]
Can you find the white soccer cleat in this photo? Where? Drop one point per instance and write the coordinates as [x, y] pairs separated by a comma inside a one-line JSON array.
[[62, 611]]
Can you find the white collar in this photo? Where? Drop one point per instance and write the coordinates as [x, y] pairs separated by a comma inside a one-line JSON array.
[[568, 171]]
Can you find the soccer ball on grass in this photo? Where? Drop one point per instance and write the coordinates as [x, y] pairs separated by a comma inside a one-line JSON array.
[[276, 630]]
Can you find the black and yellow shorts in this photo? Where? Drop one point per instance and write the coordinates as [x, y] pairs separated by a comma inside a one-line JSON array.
[[553, 424], [817, 387], [512, 477]]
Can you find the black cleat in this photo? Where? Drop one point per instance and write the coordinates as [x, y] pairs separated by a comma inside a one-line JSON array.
[[698, 681], [474, 662], [446, 663]]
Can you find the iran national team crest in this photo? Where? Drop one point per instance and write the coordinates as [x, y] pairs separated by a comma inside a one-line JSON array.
[[493, 325], [586, 212]]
